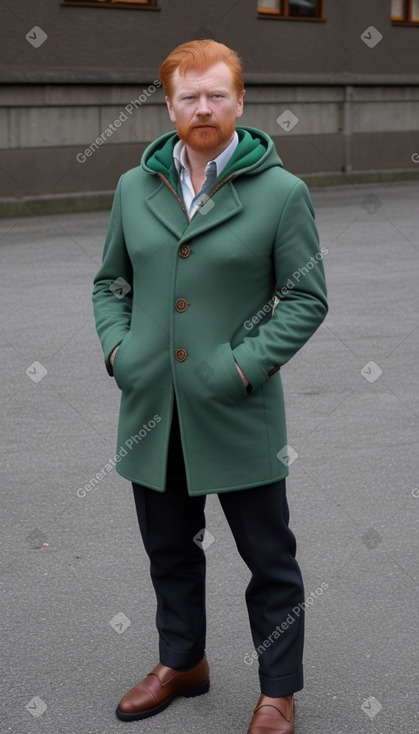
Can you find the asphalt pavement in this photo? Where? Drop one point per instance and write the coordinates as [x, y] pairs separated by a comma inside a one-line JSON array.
[[77, 604]]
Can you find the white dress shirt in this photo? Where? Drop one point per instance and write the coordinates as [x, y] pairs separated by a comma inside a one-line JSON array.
[[182, 167]]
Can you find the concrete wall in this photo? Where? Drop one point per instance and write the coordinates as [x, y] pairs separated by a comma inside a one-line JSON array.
[[48, 133]]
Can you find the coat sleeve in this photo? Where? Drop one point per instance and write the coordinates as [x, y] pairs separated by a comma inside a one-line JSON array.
[[300, 288], [112, 289]]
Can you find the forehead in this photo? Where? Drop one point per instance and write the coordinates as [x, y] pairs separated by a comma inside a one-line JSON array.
[[217, 75]]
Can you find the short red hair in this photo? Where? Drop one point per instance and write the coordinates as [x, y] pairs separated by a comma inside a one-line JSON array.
[[200, 55]]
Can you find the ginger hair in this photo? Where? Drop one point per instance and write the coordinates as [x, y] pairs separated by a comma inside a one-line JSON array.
[[200, 55]]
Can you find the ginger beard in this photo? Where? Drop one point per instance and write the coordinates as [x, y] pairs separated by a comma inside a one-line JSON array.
[[201, 138]]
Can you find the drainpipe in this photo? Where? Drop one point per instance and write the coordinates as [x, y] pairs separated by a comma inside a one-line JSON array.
[[347, 128]]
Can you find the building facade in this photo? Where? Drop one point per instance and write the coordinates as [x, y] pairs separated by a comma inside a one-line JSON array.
[[335, 83]]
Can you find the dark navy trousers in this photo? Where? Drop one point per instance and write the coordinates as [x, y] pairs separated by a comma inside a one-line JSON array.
[[258, 518]]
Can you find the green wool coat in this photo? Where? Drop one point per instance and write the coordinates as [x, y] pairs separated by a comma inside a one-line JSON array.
[[242, 280]]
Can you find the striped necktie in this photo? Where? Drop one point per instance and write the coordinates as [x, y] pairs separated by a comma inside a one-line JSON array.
[[211, 171]]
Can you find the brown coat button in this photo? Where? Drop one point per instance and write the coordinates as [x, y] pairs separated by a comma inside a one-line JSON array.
[[184, 251], [181, 355], [181, 305], [273, 370]]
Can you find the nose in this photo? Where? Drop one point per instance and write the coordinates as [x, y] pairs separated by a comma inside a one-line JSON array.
[[203, 109]]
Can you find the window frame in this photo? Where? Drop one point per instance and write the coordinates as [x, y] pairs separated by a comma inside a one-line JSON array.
[[113, 4], [272, 14], [407, 15]]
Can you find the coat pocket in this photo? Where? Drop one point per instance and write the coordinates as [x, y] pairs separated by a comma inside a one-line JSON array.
[[225, 380], [118, 366]]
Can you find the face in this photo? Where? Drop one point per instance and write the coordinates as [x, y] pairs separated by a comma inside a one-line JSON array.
[[204, 105]]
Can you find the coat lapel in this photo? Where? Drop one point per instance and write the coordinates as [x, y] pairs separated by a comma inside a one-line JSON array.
[[224, 205], [168, 210]]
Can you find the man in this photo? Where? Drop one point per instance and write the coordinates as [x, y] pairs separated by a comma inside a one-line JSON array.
[[212, 278]]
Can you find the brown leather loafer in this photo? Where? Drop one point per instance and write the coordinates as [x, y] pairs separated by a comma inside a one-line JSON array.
[[273, 716], [159, 688]]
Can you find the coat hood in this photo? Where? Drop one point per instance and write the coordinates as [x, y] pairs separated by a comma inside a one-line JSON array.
[[254, 154]]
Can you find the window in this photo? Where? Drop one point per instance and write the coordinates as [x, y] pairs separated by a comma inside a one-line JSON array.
[[405, 11], [144, 4], [292, 9]]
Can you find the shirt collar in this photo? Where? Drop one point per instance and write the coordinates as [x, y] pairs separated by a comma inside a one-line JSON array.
[[181, 163]]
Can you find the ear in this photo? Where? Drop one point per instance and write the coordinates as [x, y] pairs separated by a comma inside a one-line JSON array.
[[170, 109], [240, 102]]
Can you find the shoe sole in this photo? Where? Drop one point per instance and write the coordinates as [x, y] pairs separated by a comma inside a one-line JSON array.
[[185, 693]]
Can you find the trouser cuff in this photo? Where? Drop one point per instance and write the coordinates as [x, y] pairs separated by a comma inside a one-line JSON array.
[[278, 687], [179, 660]]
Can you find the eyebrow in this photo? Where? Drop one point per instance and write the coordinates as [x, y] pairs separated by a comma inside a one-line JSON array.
[[214, 90]]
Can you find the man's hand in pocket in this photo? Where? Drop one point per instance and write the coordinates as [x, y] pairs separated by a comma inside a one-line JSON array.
[[242, 375], [112, 357]]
